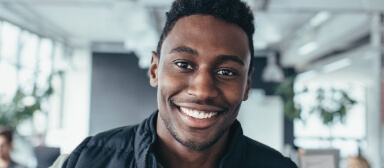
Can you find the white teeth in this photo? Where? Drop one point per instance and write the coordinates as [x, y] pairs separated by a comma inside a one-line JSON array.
[[197, 114], [194, 113]]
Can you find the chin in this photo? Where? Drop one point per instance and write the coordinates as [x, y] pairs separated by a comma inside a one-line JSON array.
[[189, 139]]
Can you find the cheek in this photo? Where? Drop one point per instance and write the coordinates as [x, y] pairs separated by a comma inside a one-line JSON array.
[[234, 93], [169, 85], [171, 79]]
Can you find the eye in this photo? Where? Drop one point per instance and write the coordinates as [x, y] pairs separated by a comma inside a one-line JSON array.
[[226, 72], [184, 65]]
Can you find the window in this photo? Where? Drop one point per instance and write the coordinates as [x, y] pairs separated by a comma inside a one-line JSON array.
[[10, 42], [26, 60], [9, 37], [44, 63], [347, 136]]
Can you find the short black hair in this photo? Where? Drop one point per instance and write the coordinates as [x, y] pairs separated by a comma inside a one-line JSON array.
[[7, 133], [231, 11]]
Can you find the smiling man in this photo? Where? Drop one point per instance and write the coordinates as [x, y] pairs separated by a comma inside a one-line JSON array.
[[202, 71]]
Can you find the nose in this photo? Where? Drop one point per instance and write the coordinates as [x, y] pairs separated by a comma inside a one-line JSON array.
[[202, 85]]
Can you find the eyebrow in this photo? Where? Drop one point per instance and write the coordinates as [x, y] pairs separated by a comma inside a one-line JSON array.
[[184, 49], [231, 58]]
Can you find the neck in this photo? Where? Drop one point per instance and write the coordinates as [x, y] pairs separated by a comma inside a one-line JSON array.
[[170, 153]]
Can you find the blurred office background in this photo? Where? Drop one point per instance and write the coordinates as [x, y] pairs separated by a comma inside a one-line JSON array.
[[72, 68]]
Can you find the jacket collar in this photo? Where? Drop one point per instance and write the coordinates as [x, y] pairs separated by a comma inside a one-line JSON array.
[[236, 150], [146, 138], [144, 141]]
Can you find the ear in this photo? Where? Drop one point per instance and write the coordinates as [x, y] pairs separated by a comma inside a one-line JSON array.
[[153, 70], [249, 84]]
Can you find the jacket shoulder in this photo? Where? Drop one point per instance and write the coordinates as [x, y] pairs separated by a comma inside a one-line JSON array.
[[104, 149], [258, 154], [121, 138]]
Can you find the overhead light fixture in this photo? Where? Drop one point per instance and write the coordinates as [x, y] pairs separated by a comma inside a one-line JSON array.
[[272, 72], [337, 65], [308, 48], [319, 18]]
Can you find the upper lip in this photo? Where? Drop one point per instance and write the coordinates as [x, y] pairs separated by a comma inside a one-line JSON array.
[[200, 107]]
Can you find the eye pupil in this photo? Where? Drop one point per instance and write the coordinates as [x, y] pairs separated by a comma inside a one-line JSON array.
[[182, 64], [226, 72]]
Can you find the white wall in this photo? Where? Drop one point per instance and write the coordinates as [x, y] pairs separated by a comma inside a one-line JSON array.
[[262, 119]]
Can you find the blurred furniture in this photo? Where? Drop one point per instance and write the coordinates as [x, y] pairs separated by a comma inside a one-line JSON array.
[[320, 158], [46, 156]]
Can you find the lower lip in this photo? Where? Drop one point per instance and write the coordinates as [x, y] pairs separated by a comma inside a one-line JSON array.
[[197, 123]]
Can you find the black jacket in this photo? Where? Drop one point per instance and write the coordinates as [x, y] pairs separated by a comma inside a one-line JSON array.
[[133, 146]]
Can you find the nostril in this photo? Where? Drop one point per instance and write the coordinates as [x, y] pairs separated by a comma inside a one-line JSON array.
[[203, 87]]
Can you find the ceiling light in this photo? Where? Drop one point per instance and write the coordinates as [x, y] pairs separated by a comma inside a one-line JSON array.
[[337, 65], [307, 48], [319, 18], [272, 72]]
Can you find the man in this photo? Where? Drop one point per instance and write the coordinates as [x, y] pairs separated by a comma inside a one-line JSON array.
[[202, 71], [6, 138]]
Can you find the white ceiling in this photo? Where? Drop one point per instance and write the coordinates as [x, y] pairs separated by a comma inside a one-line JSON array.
[[281, 24], [360, 68]]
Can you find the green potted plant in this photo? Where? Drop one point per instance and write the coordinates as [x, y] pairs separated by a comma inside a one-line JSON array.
[[23, 106], [340, 100]]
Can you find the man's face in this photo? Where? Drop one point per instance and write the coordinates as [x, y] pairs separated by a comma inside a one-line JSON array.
[[5, 148], [202, 78]]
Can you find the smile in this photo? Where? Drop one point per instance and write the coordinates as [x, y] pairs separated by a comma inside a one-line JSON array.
[[197, 114]]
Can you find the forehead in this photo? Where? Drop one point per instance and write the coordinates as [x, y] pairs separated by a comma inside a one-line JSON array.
[[209, 35]]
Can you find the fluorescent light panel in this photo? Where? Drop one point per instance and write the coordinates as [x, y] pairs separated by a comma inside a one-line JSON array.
[[308, 48], [319, 18], [337, 65]]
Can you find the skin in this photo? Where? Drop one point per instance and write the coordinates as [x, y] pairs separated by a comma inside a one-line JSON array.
[[5, 149], [204, 66]]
